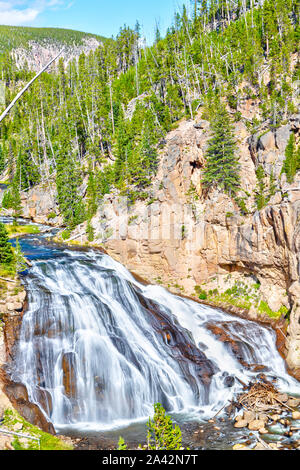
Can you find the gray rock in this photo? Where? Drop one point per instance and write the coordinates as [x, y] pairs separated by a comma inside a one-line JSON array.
[[282, 137], [267, 141]]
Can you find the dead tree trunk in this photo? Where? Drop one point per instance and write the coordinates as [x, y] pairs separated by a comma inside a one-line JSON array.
[[26, 88]]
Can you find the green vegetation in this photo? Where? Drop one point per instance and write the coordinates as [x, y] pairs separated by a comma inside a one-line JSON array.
[[12, 37], [222, 167], [17, 230], [6, 251], [265, 310], [47, 441], [242, 296], [162, 433], [292, 159]]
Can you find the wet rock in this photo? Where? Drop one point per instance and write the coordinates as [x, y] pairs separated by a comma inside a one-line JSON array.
[[240, 447], [69, 371], [293, 402], [275, 418], [18, 395], [256, 425], [45, 400], [241, 424], [249, 416], [296, 415]]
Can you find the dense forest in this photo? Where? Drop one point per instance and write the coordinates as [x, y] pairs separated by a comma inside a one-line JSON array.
[[79, 121]]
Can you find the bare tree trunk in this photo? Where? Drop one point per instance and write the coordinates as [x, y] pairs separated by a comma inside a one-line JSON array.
[[4, 114]]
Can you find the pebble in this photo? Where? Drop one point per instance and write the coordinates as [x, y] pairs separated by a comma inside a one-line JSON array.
[[296, 415]]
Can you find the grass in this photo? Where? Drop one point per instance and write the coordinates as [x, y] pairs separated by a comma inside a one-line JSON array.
[[265, 309], [16, 230], [241, 296], [47, 441]]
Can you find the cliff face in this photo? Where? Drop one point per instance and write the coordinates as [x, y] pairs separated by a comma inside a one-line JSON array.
[[186, 239]]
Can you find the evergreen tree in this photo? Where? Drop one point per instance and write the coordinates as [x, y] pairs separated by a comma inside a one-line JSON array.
[[20, 262], [67, 183], [291, 163], [15, 201], [2, 159], [6, 252], [262, 196], [162, 435], [222, 167]]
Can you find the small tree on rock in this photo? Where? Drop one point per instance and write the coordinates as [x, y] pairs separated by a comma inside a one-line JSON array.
[[222, 167]]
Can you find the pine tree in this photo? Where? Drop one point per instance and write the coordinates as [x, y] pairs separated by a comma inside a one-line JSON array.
[[262, 196], [67, 183], [162, 435], [6, 252], [291, 163], [222, 167], [15, 201]]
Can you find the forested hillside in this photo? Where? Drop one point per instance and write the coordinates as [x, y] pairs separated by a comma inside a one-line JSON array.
[[13, 37], [105, 116]]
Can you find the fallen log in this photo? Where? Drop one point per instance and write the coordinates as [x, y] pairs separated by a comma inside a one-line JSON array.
[[4, 114]]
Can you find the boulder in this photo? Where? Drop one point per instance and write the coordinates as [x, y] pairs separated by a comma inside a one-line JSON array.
[[296, 415], [267, 141], [241, 424], [282, 137]]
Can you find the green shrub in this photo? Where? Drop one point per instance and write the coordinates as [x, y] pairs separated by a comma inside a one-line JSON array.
[[66, 235], [162, 434]]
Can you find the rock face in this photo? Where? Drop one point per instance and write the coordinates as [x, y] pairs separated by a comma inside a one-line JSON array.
[[37, 55]]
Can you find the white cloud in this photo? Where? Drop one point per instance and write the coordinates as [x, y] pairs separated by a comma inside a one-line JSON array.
[[20, 12]]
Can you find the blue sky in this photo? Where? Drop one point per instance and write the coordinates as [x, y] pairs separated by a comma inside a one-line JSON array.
[[102, 17]]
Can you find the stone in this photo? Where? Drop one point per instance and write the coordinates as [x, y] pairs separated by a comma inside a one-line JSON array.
[[241, 424], [249, 416], [18, 427], [275, 418], [293, 402], [283, 397], [240, 447], [267, 141], [256, 425], [296, 415], [263, 431], [282, 137]]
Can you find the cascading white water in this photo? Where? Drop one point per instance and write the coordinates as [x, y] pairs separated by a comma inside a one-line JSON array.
[[97, 348]]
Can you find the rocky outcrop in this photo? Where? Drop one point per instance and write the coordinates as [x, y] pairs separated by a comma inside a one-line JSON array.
[[37, 54]]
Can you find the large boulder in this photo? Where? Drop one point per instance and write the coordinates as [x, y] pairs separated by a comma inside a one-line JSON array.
[[282, 137]]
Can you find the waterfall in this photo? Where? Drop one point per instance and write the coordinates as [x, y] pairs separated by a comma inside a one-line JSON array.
[[97, 348]]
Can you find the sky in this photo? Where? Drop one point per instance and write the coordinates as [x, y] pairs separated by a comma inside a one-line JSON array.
[[103, 17]]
